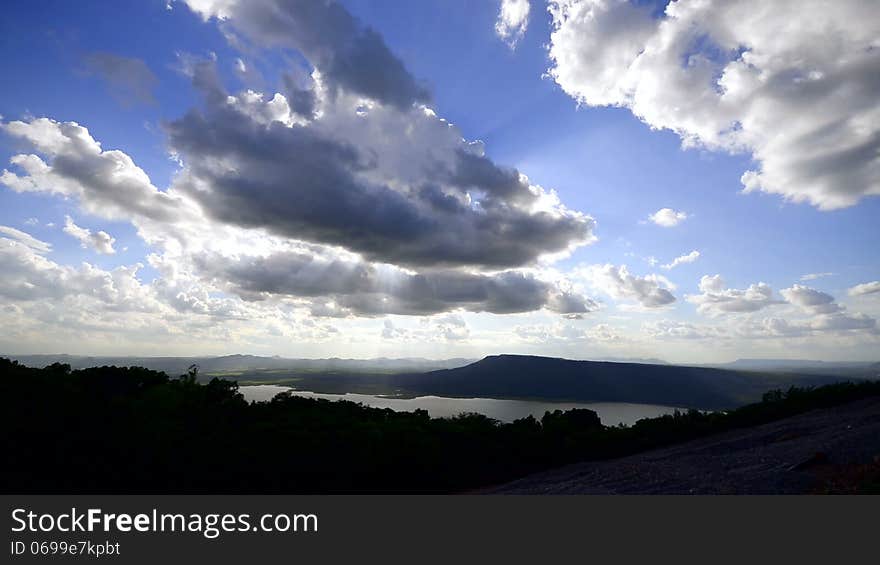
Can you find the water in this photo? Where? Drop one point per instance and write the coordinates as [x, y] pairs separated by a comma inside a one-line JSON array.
[[610, 413]]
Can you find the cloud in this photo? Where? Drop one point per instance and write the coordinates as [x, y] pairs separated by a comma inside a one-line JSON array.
[[814, 276], [350, 56], [667, 217], [675, 329], [446, 328], [27, 275], [344, 286], [830, 316], [107, 183], [130, 79], [342, 196], [13, 235], [715, 300], [100, 241], [810, 299], [513, 20], [681, 260], [567, 333], [865, 288], [426, 198], [824, 314], [651, 291], [740, 76]]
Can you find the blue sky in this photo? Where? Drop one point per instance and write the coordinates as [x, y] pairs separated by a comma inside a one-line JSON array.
[[610, 147]]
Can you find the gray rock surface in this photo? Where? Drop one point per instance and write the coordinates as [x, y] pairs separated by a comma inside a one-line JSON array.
[[793, 455]]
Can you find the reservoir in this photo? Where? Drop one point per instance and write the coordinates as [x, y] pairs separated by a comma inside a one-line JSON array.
[[611, 413]]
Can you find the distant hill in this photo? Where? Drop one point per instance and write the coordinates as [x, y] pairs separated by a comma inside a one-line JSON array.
[[502, 376], [855, 369], [243, 363], [518, 376]]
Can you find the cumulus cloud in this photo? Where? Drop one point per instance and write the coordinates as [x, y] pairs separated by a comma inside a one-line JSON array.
[[823, 313], [681, 260], [73, 164], [740, 76], [27, 275], [650, 291], [259, 179], [425, 198], [351, 56], [130, 79], [667, 217], [342, 196], [100, 241], [513, 20], [829, 315], [865, 288], [810, 299], [716, 300], [345, 286], [252, 190]]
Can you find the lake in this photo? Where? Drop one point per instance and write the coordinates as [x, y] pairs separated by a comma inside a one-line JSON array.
[[611, 413]]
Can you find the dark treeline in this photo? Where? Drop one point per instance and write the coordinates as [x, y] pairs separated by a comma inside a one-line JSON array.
[[125, 430]]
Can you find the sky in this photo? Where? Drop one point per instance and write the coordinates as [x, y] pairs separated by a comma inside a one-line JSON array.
[[693, 181]]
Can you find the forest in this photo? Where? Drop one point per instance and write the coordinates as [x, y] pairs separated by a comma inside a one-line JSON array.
[[135, 430]]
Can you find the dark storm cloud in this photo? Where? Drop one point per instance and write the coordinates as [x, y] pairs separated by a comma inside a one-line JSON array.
[[363, 289], [348, 54], [478, 172], [303, 101], [130, 80], [296, 182]]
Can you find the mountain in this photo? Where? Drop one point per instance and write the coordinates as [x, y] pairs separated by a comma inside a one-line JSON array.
[[547, 378], [498, 376]]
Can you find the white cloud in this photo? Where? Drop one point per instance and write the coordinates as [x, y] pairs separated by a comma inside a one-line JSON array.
[[814, 276], [793, 83], [675, 329], [210, 241], [567, 333], [26, 239], [865, 288], [715, 300], [650, 291], [100, 241], [829, 315], [667, 217], [444, 328], [681, 260], [819, 313], [810, 299], [107, 183], [513, 20]]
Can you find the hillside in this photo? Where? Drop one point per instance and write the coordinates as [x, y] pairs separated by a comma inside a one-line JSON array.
[[834, 450], [497, 376]]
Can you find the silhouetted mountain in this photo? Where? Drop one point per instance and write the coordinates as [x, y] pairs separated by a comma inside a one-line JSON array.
[[518, 376]]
